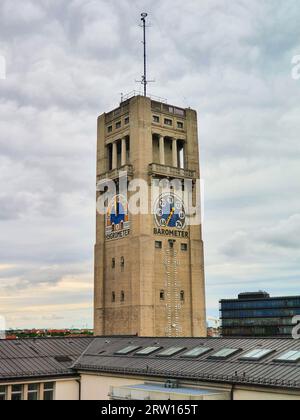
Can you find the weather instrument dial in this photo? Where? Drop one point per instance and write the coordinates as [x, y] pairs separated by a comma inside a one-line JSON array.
[[170, 212]]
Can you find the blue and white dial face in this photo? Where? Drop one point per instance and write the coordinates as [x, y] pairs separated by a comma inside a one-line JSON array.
[[118, 213], [117, 219], [170, 212]]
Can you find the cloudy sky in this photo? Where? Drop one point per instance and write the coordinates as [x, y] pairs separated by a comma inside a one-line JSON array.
[[67, 62]]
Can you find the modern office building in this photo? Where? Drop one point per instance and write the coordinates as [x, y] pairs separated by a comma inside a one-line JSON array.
[[259, 315], [135, 368], [149, 267]]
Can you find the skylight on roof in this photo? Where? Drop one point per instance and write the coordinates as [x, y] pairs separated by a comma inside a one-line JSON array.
[[224, 353], [171, 351], [196, 352], [63, 359], [256, 354], [127, 350], [290, 356], [147, 351]]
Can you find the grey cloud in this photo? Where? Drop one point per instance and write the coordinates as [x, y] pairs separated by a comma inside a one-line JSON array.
[[69, 61], [26, 276], [267, 242]]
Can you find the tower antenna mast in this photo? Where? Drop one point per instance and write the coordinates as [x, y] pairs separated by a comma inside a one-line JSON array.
[[145, 81], [144, 78]]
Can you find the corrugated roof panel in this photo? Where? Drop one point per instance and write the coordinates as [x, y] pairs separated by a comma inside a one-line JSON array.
[[263, 371], [37, 358], [30, 358]]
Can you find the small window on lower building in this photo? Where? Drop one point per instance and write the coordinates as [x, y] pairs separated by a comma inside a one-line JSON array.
[[184, 247], [118, 125], [17, 392], [113, 297], [162, 295], [2, 393], [33, 392], [122, 296], [158, 245], [180, 125], [126, 121], [182, 296], [49, 391], [155, 119], [109, 129], [168, 122]]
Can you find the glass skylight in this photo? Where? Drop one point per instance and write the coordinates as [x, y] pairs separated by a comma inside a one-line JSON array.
[[127, 350], [224, 353], [171, 351], [196, 352], [290, 356], [256, 354], [147, 351]]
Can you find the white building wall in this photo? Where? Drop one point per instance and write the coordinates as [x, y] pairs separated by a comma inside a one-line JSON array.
[[67, 390], [94, 388], [247, 395]]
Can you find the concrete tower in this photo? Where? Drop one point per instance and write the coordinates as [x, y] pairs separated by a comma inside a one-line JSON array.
[[149, 268]]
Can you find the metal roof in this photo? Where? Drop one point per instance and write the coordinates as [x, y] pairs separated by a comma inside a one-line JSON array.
[[39, 358], [101, 356], [31, 358]]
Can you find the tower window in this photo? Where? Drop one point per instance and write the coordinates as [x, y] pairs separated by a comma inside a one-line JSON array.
[[155, 119], [126, 121], [182, 296], [122, 263], [113, 263], [162, 295], [168, 122], [158, 245], [113, 297], [122, 296], [109, 129], [180, 125], [171, 244], [184, 247], [118, 125]]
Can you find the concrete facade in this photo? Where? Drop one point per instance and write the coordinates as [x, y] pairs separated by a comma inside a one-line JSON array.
[[142, 287]]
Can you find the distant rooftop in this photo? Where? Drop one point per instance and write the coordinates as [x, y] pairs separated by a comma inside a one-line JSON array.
[[254, 295]]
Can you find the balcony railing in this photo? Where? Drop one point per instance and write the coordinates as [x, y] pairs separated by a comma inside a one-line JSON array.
[[170, 171], [115, 173]]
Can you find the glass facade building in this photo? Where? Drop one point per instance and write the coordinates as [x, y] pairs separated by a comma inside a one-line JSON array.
[[259, 315]]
